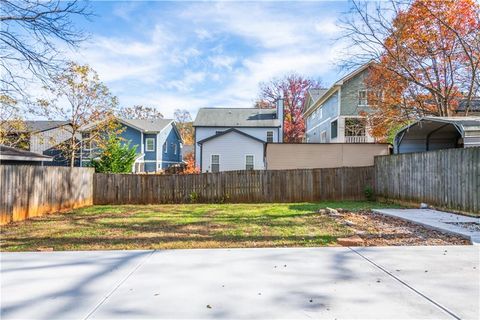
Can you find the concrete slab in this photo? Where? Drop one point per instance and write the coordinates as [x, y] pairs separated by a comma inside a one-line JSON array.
[[467, 227], [60, 285], [239, 283], [263, 283], [429, 270]]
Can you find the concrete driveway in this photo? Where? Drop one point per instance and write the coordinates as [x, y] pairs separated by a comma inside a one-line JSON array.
[[382, 282]]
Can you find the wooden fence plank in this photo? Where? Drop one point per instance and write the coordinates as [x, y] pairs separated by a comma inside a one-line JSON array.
[[31, 191], [445, 178]]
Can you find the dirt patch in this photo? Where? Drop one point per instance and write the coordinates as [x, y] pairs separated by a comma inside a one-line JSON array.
[[379, 230]]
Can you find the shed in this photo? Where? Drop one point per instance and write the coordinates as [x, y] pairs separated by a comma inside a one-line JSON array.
[[9, 155], [435, 133]]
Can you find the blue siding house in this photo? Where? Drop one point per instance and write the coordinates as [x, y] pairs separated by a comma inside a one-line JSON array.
[[335, 115], [157, 141]]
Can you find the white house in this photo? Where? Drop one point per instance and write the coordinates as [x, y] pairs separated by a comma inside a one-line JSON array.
[[229, 139]]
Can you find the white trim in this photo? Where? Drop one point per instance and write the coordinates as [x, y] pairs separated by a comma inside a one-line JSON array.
[[146, 145], [319, 124], [25, 158], [321, 134], [253, 161], [268, 131], [211, 162], [142, 144]]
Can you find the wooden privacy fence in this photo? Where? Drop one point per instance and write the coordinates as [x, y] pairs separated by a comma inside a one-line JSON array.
[[234, 186], [445, 178], [29, 191]]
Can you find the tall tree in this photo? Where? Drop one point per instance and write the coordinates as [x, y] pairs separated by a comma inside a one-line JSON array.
[[139, 112], [293, 90], [426, 57], [78, 95], [184, 123], [30, 37]]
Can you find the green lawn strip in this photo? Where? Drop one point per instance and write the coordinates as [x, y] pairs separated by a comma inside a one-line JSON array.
[[181, 226]]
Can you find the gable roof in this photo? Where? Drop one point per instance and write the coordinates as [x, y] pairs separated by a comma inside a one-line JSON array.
[[36, 125], [10, 153], [316, 93], [236, 117], [147, 125], [142, 125], [328, 93], [228, 131]]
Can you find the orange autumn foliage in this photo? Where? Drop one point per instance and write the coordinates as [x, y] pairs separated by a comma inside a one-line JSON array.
[[424, 68], [190, 164]]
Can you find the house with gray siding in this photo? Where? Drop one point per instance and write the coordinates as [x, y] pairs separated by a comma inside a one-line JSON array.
[[229, 139], [157, 143], [333, 115], [45, 137]]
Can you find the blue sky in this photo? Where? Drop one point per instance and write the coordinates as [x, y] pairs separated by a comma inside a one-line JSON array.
[[207, 54]]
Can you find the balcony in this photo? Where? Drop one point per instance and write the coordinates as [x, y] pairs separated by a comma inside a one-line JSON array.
[[355, 139]]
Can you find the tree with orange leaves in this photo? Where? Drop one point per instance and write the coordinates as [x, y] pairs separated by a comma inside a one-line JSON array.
[[426, 54], [190, 164]]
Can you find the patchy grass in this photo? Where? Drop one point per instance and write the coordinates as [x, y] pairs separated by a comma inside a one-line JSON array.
[[181, 226]]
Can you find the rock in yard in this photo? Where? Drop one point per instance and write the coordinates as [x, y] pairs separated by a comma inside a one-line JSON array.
[[354, 241]]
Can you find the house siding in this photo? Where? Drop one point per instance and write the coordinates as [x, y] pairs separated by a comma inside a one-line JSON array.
[[315, 126], [349, 97], [257, 132], [150, 155], [171, 137], [232, 149]]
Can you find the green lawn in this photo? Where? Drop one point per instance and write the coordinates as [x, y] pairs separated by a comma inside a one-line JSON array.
[[181, 226]]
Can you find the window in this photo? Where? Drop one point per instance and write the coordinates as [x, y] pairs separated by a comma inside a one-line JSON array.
[[362, 98], [249, 162], [174, 148], [165, 147], [334, 129], [323, 136], [269, 136], [150, 144], [87, 143], [355, 127], [215, 164]]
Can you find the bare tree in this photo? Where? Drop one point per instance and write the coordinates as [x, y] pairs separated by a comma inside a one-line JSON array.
[[184, 124], [139, 112], [12, 127], [427, 48], [78, 95], [31, 34]]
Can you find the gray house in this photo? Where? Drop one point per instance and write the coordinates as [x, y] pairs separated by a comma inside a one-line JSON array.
[[434, 133], [15, 156], [333, 115], [44, 137]]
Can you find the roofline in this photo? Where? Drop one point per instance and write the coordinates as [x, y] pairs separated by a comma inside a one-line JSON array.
[[335, 87], [26, 158], [260, 126], [228, 131], [322, 99]]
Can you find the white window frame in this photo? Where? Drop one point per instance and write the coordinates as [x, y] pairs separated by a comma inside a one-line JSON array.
[[270, 131], [146, 144], [211, 162], [365, 100], [323, 136], [253, 161], [174, 148]]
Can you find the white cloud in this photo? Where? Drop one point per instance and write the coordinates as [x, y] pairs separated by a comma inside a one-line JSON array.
[[210, 55]]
